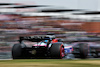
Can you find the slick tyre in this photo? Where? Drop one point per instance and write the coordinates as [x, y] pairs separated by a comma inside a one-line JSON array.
[[57, 51], [83, 49], [16, 51]]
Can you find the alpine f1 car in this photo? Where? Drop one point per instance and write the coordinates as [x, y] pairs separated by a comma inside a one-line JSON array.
[[42, 47], [50, 47]]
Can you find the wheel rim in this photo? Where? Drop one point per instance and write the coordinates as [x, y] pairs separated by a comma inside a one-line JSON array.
[[62, 54]]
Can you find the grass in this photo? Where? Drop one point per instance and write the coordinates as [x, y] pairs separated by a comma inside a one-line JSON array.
[[50, 63]]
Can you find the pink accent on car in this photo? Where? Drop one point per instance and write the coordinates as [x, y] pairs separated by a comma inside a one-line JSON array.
[[40, 44], [67, 46]]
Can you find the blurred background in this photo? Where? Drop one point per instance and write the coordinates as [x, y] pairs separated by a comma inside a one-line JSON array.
[[65, 18]]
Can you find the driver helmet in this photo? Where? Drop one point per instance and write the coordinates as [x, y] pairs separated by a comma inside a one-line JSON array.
[[46, 41]]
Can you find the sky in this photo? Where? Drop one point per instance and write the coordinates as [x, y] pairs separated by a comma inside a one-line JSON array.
[[72, 4]]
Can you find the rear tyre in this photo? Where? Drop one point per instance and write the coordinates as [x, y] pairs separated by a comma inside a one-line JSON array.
[[83, 49], [16, 51], [57, 51]]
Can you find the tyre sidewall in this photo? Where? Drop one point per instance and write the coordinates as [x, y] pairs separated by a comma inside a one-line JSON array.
[[16, 51], [55, 50], [83, 49]]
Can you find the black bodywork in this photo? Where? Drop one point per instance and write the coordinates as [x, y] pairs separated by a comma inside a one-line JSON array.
[[36, 51]]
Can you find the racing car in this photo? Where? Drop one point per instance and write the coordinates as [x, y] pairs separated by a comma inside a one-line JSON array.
[[83, 47], [48, 46], [43, 46]]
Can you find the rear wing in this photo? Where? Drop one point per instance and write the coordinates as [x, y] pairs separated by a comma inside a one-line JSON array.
[[36, 38]]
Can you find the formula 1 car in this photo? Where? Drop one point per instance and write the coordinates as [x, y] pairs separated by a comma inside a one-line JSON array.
[[42, 47], [50, 47], [83, 47]]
